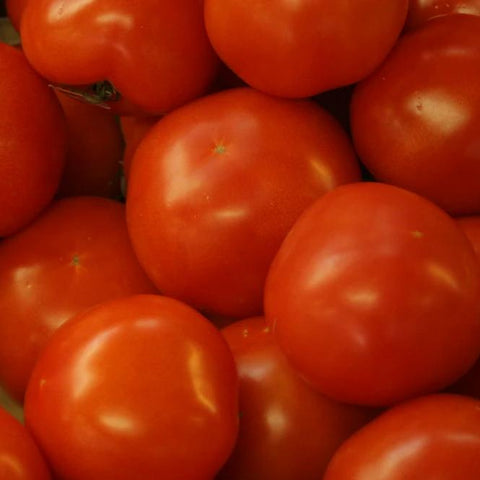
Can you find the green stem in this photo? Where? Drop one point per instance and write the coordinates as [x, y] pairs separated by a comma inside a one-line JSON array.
[[100, 93]]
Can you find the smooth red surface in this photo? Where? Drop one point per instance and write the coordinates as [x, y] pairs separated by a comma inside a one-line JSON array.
[[155, 53], [374, 296], [216, 185], [95, 151], [430, 438], [303, 47], [20, 458], [287, 431], [75, 255], [32, 142], [143, 387], [421, 11], [415, 121]]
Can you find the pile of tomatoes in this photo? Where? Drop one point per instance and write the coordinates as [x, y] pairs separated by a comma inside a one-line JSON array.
[[240, 240]]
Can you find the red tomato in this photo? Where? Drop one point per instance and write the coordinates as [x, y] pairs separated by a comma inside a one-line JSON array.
[[420, 11], [217, 184], [374, 296], [301, 48], [32, 142], [287, 431], [142, 387], [415, 121], [154, 53], [75, 255], [20, 458], [429, 438], [95, 150]]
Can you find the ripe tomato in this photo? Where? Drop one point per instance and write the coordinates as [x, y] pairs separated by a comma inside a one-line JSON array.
[[298, 49], [76, 254], [95, 150], [415, 121], [429, 438], [420, 11], [374, 295], [20, 458], [287, 431], [142, 387], [216, 185], [32, 142], [154, 53]]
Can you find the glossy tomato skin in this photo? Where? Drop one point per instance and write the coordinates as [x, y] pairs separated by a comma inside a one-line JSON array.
[[95, 151], [145, 387], [421, 11], [76, 254], [32, 142], [216, 185], [428, 438], [415, 121], [302, 49], [20, 458], [155, 53], [374, 296], [287, 431]]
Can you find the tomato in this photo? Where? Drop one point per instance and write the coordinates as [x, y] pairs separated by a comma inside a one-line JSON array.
[[415, 121], [287, 431], [149, 56], [95, 151], [20, 458], [429, 438], [76, 254], [374, 295], [32, 142], [139, 387], [217, 184], [420, 11], [298, 49]]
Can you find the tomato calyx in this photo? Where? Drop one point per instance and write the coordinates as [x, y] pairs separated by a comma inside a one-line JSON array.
[[101, 93]]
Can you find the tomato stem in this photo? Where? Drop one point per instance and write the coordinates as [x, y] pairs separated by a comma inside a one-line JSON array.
[[100, 93]]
